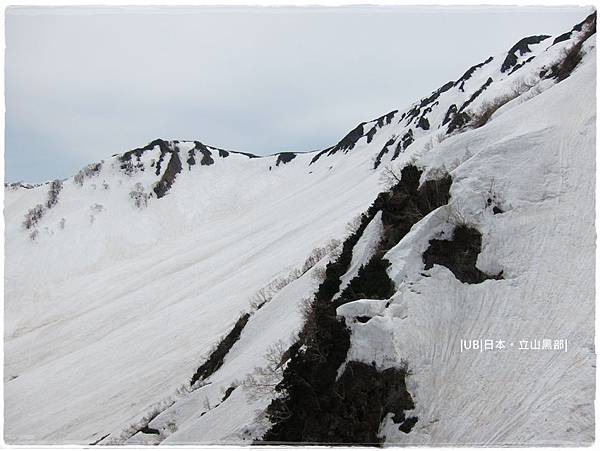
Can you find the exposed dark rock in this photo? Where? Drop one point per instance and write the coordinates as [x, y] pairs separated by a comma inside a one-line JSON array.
[[386, 119], [149, 430], [207, 159], [228, 393], [164, 147], [573, 55], [452, 110], [563, 37], [459, 255], [382, 152], [246, 154], [415, 111], [588, 21], [408, 424], [407, 140], [371, 282], [362, 319], [191, 161], [476, 94], [371, 134], [223, 153], [459, 120], [320, 154], [99, 440], [521, 64], [497, 210], [469, 73], [285, 157], [349, 141], [522, 47], [423, 123], [215, 360], [168, 178]]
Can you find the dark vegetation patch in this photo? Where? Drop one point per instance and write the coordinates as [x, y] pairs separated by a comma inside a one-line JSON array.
[[573, 55], [35, 214], [459, 255], [87, 172], [315, 406], [215, 360], [522, 47], [469, 73], [383, 151], [54, 190], [168, 178], [371, 282], [285, 157]]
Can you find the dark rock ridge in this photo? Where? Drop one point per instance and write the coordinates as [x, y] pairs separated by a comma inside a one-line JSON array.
[[383, 151], [563, 69], [207, 159], [285, 157], [407, 140], [460, 118], [521, 64], [589, 21], [469, 73], [522, 47]]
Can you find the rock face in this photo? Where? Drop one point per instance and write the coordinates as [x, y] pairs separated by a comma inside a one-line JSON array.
[[332, 296]]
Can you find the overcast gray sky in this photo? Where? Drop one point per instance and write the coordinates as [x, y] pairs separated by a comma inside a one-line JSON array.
[[83, 84]]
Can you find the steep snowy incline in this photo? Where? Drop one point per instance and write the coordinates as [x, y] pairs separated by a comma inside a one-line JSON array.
[[121, 280], [106, 317], [535, 163]]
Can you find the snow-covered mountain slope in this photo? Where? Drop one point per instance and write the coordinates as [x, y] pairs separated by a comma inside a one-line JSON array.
[[121, 281]]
